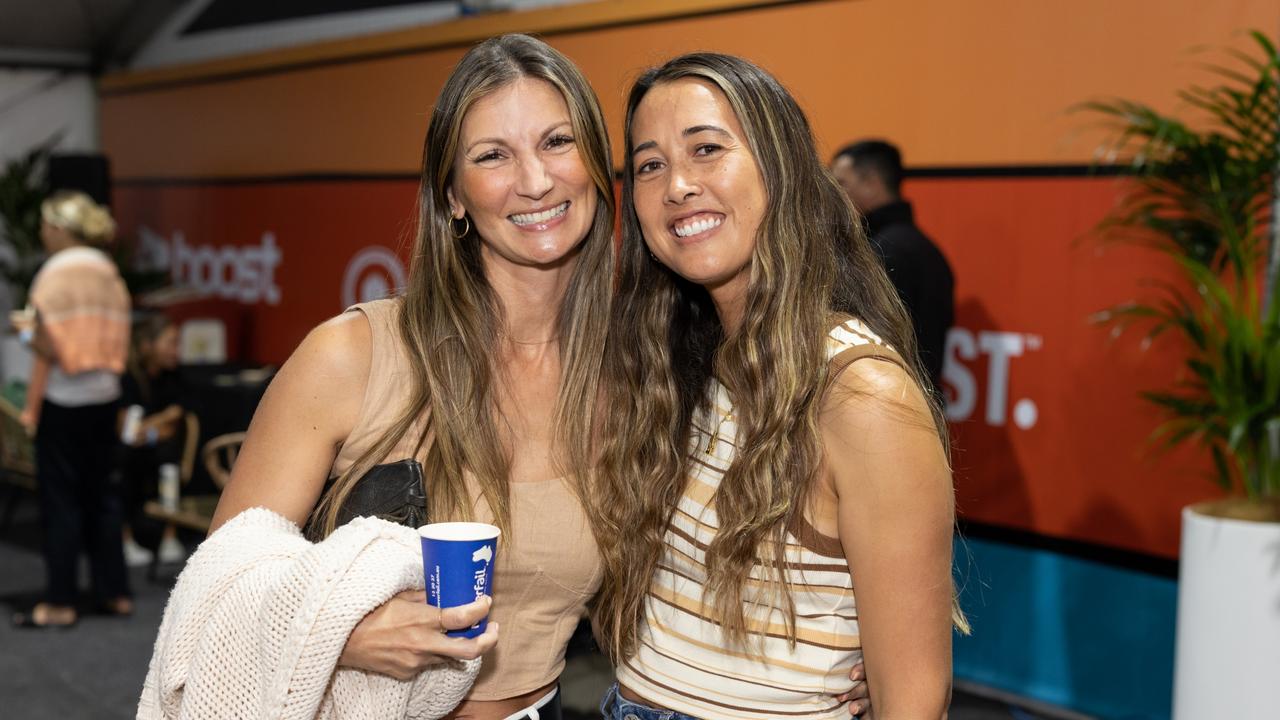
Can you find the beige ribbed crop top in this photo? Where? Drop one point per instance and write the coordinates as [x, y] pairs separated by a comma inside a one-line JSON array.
[[545, 572]]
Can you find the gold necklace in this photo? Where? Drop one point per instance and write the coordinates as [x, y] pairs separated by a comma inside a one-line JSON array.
[[711, 443], [548, 341]]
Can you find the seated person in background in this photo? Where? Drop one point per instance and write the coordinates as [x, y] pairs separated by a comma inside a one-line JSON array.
[[151, 383]]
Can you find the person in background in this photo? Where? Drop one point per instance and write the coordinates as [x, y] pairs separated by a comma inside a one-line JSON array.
[[151, 384], [870, 171], [80, 336]]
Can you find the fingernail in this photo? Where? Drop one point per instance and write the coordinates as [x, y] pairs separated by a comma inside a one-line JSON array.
[[856, 674], [856, 709]]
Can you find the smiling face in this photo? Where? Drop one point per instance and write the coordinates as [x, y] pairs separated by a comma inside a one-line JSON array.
[[698, 192], [518, 177]]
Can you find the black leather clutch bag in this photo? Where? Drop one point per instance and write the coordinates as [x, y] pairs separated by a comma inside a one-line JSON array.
[[393, 492]]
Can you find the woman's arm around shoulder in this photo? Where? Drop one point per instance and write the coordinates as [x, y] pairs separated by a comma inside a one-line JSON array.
[[895, 515], [307, 412]]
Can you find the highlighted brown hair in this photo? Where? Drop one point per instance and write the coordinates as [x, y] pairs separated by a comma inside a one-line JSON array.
[[451, 321], [811, 264]]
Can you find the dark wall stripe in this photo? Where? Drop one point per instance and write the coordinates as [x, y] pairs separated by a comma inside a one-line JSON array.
[[1093, 552], [1018, 171]]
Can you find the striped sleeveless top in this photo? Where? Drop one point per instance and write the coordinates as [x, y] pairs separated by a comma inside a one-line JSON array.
[[682, 662]]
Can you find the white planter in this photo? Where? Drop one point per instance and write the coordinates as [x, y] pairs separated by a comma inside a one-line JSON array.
[[1227, 662]]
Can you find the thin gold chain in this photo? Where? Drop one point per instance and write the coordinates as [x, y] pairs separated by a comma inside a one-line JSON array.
[[711, 443]]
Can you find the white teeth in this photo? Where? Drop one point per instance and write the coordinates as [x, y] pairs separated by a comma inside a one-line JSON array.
[[540, 217], [697, 226]]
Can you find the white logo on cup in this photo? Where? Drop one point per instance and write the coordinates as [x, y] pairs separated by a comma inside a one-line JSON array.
[[374, 273], [485, 554]]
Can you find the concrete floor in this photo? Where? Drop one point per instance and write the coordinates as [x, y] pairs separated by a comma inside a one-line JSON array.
[[95, 670]]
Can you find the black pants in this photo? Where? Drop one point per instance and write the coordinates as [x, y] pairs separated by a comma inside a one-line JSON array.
[[139, 482], [80, 500]]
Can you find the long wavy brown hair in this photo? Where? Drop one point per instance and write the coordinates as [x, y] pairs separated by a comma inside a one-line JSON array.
[[811, 264], [450, 320]]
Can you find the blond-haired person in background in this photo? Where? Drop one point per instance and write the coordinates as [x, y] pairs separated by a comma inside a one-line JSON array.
[[79, 329]]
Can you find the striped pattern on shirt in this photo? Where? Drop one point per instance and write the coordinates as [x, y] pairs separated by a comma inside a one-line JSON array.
[[682, 662]]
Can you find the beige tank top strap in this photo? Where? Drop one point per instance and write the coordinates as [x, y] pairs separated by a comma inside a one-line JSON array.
[[385, 395]]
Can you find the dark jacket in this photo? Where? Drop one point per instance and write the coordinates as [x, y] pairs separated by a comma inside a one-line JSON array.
[[922, 276]]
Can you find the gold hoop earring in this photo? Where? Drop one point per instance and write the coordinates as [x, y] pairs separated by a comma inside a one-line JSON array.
[[466, 228]]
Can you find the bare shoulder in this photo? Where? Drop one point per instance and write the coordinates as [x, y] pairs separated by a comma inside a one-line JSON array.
[[341, 346], [878, 432], [873, 390], [308, 411], [324, 379]]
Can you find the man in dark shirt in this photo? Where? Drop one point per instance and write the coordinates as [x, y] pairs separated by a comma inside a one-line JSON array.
[[871, 173]]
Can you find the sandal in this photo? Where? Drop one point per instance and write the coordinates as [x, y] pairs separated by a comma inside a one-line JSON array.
[[27, 621], [121, 607]]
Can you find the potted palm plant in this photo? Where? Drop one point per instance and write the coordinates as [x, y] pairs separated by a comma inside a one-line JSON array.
[[22, 189], [1202, 197]]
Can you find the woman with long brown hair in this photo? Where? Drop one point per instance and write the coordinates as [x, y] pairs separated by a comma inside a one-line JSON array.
[[485, 371], [770, 437]]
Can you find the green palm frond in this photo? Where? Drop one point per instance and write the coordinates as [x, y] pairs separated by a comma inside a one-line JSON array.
[[1201, 195], [22, 189]]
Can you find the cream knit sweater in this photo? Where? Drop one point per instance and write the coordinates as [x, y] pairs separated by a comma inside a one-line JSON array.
[[259, 616]]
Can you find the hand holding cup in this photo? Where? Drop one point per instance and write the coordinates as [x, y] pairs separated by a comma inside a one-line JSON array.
[[457, 561], [405, 636]]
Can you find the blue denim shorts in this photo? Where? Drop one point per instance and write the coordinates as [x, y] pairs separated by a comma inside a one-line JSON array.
[[616, 707]]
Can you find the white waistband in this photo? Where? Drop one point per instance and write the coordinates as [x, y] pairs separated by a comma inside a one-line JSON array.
[[531, 712]]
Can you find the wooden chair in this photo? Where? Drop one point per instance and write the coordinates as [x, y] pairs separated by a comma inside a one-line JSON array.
[[187, 465], [193, 512], [220, 455], [17, 460]]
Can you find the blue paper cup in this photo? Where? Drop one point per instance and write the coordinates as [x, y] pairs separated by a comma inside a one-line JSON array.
[[457, 560]]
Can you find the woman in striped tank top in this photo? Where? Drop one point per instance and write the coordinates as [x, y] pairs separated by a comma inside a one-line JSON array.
[[772, 437]]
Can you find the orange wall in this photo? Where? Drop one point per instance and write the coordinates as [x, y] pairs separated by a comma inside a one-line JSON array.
[[979, 82], [1024, 266], [985, 82]]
